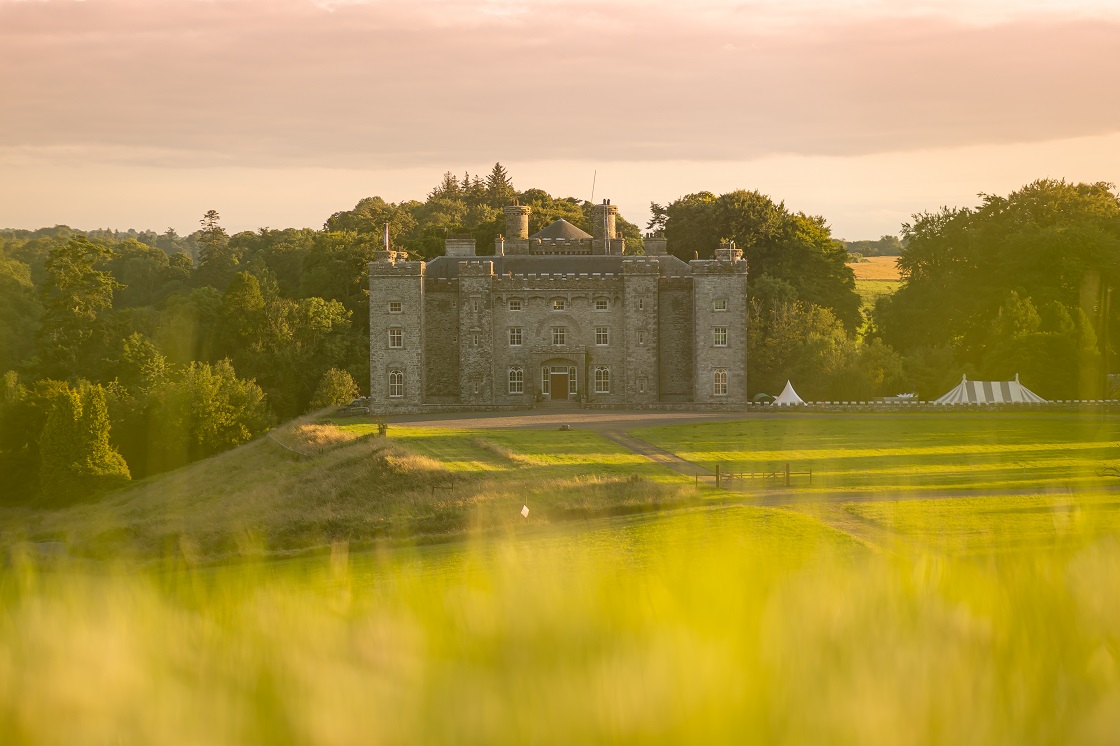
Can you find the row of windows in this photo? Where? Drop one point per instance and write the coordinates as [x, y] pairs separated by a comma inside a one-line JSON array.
[[560, 304], [559, 336], [602, 378]]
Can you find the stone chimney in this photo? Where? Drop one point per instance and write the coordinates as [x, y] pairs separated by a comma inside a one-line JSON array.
[[459, 247], [656, 244]]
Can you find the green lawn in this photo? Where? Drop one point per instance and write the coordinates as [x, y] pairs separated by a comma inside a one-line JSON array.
[[870, 291], [908, 453]]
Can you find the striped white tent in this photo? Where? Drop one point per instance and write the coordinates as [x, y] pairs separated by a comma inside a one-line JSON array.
[[990, 392], [788, 396]]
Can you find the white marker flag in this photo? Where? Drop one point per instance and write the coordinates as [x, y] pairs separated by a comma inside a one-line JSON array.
[[524, 511]]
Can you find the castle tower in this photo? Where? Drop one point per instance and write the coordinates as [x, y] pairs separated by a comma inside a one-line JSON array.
[[476, 332], [517, 222], [603, 229], [720, 331], [640, 329], [396, 342]]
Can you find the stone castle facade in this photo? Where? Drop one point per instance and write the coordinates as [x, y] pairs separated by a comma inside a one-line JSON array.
[[559, 318]]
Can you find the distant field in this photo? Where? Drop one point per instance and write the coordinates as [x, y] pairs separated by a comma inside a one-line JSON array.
[[876, 268], [871, 290]]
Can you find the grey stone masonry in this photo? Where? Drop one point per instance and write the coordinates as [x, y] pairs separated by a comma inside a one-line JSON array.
[[476, 332], [675, 332], [396, 327], [720, 315], [640, 328]]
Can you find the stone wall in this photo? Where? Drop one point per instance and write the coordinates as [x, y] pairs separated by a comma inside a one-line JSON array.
[[476, 339], [716, 283], [396, 282], [441, 341], [536, 320], [640, 327], [675, 331]]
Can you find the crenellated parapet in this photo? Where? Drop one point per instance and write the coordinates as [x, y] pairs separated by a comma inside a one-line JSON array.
[[396, 269], [638, 265], [718, 267], [476, 268]]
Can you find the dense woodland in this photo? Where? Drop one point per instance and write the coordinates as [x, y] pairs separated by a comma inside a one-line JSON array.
[[124, 354]]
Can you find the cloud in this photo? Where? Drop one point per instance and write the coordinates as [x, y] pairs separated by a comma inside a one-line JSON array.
[[394, 84]]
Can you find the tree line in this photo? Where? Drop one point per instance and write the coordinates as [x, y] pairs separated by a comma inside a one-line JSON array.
[[124, 354]]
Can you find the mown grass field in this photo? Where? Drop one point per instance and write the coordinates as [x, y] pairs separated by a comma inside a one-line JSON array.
[[876, 277], [871, 290], [905, 454], [858, 612], [876, 268]]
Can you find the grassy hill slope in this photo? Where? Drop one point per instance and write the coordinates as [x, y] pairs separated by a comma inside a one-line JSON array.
[[309, 485]]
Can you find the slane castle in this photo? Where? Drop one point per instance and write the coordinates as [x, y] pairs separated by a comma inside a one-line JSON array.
[[559, 318]]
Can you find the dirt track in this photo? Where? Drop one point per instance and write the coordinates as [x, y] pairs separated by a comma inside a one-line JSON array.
[[551, 419]]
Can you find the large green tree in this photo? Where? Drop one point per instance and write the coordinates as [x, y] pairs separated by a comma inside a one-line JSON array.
[[218, 261], [1052, 245], [793, 247], [76, 459], [74, 296]]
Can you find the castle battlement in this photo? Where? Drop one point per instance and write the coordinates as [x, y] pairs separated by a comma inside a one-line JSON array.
[[476, 268], [396, 269], [718, 267]]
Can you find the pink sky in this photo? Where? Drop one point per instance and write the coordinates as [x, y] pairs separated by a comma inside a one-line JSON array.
[[145, 113]]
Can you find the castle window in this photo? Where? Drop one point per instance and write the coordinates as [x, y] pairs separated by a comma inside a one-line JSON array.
[[601, 304], [719, 382], [515, 304], [394, 306], [545, 380], [720, 304], [396, 337], [559, 335], [641, 304], [602, 336], [641, 385], [572, 381], [559, 304], [515, 336], [474, 339], [516, 381], [396, 384], [641, 337], [602, 380], [719, 336], [474, 305]]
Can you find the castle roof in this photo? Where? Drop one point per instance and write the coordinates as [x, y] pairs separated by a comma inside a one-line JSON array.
[[561, 229]]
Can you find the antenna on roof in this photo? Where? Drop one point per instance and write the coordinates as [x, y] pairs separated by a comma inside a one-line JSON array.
[[593, 179]]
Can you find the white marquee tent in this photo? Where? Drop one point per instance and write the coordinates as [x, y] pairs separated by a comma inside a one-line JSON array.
[[990, 392], [788, 396]]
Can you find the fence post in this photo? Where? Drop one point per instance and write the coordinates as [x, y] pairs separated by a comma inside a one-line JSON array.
[[787, 474], [717, 476]]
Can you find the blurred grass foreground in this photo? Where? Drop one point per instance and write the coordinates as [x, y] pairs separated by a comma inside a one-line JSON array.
[[954, 621]]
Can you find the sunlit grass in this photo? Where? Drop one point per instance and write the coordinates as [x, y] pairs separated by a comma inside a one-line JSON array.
[[921, 453], [741, 625], [600, 618]]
